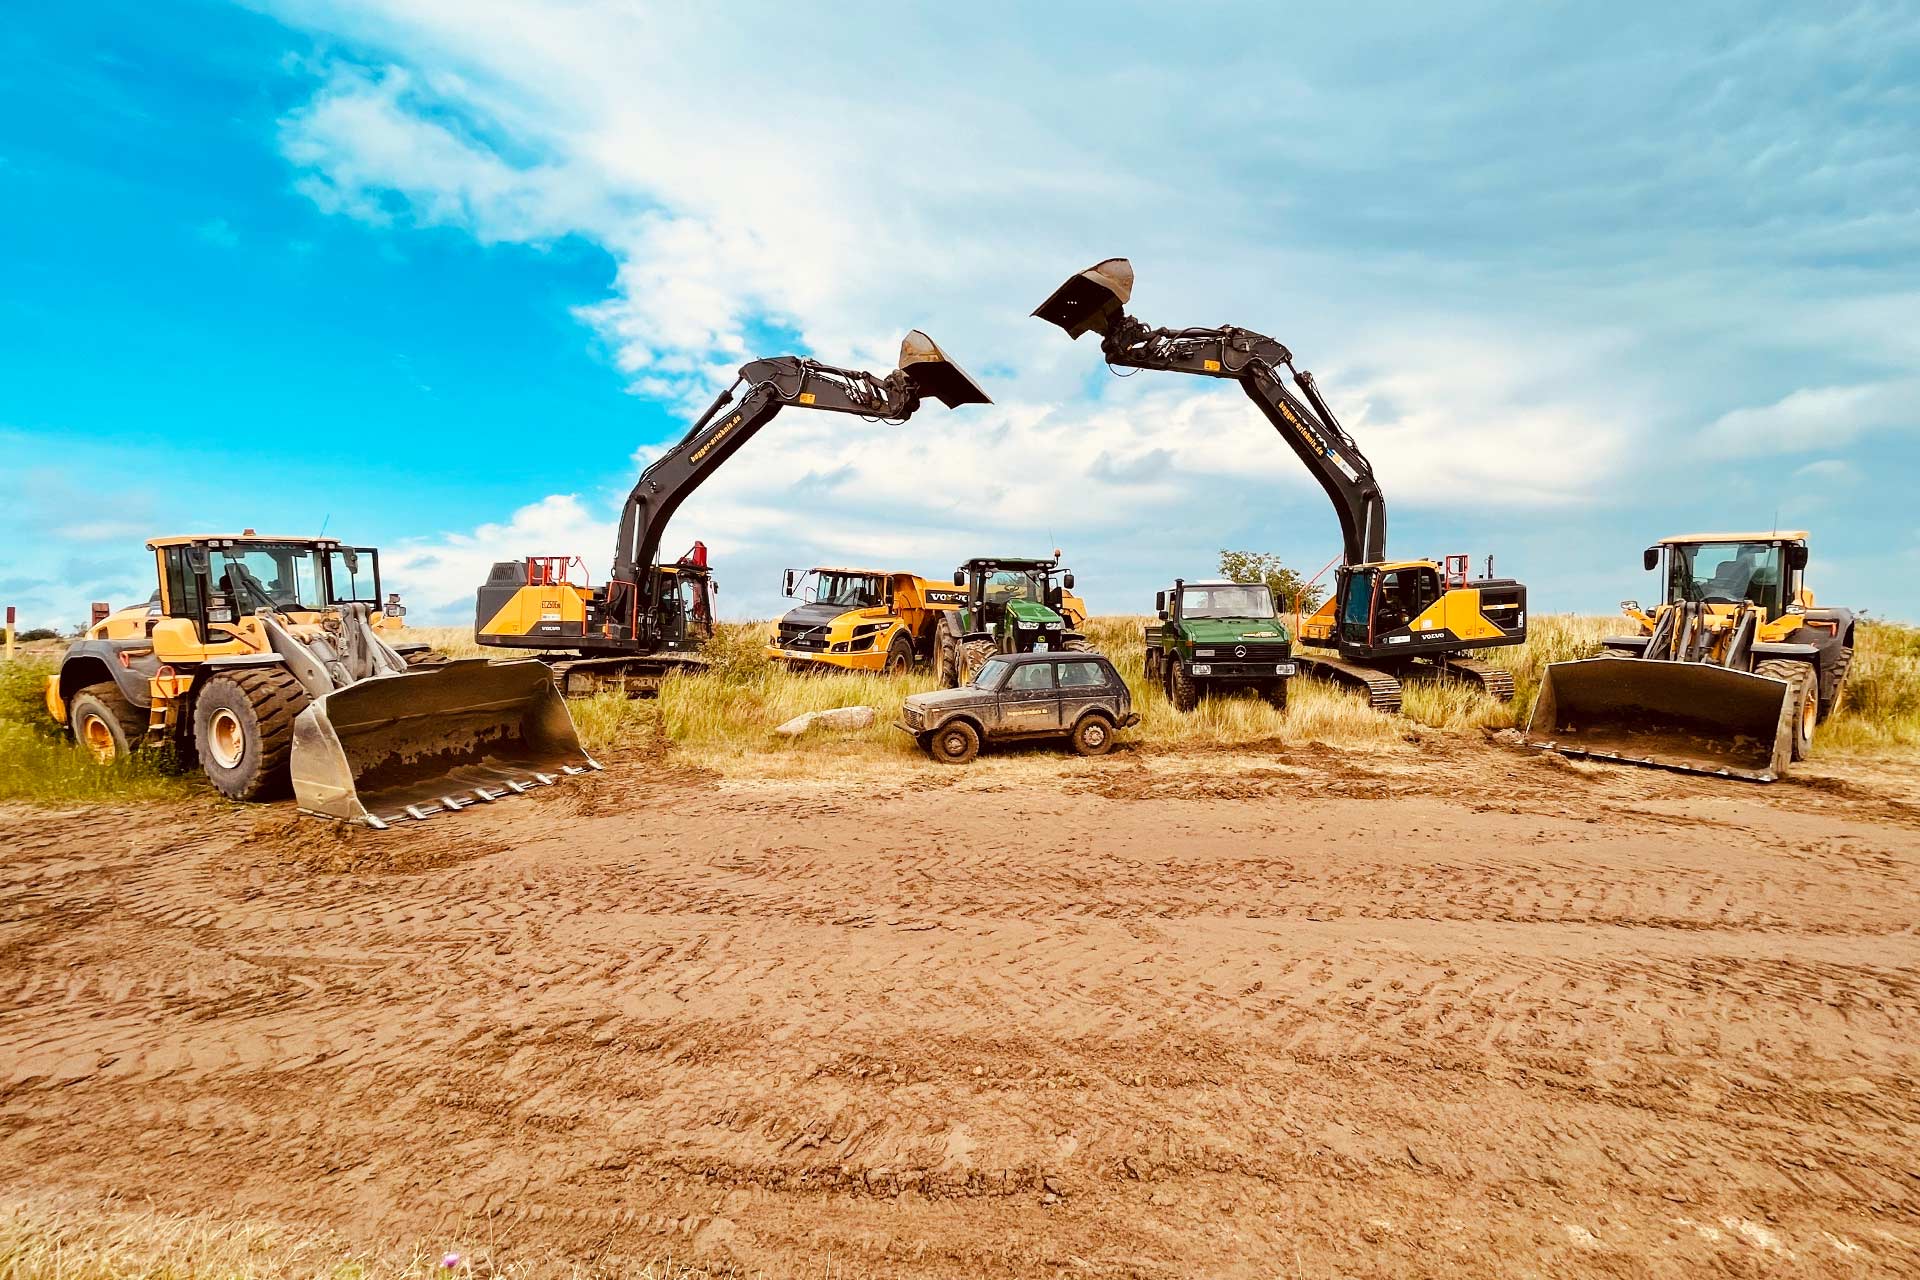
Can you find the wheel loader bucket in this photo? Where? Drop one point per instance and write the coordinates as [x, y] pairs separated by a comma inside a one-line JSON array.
[[436, 739], [936, 375], [1092, 300], [1672, 715]]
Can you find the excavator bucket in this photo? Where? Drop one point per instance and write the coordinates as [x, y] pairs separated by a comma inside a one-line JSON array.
[[439, 738], [1691, 716], [1092, 300], [935, 374]]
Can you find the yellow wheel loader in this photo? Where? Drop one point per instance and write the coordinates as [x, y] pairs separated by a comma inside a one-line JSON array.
[[1730, 674], [262, 657]]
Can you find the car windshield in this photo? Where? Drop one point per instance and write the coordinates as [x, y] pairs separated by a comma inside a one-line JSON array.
[[1005, 585], [1728, 573], [1237, 601], [846, 590], [267, 575], [988, 676]]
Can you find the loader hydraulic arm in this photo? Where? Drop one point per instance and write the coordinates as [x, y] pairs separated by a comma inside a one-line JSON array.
[[1095, 301], [762, 389]]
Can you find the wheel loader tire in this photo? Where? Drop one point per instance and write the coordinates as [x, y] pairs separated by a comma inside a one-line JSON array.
[[108, 726], [243, 730], [899, 655], [973, 656], [1277, 695], [1182, 692], [1842, 661], [1093, 736], [955, 742], [1805, 699], [427, 658]]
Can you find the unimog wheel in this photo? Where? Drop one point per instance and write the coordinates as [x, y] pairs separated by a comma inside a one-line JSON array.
[[1093, 736], [1182, 692], [973, 656], [1803, 697], [243, 729], [1277, 695], [108, 726], [955, 742], [899, 655], [426, 658]]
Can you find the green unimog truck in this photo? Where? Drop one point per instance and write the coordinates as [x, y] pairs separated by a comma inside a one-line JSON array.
[[1014, 604], [1218, 635]]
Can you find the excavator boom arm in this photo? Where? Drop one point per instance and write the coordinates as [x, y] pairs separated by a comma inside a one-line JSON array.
[[1095, 300]]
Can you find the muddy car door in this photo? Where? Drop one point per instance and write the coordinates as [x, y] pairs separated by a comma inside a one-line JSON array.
[[1029, 702], [1084, 683]]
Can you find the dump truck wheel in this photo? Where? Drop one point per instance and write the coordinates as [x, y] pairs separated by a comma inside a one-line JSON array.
[[427, 658], [1093, 736], [1277, 695], [899, 655], [1804, 697], [973, 656], [955, 742], [243, 728], [1181, 690], [104, 723]]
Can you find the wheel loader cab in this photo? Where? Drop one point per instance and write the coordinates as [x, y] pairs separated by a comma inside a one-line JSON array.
[[1766, 574]]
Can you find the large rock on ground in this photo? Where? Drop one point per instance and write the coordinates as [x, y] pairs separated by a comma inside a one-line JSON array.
[[844, 718]]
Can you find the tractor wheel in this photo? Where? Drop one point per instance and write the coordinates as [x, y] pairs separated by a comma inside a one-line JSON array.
[[1093, 736], [1181, 690], [1079, 644], [955, 742], [973, 656], [1277, 695], [426, 658], [899, 655], [243, 726], [105, 723], [1803, 695]]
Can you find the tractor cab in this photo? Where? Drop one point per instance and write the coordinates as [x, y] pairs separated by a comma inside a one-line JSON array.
[[1022, 602]]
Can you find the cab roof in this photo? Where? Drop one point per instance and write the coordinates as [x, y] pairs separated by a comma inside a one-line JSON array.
[[1014, 562], [1776, 535], [1219, 582], [181, 539], [877, 573]]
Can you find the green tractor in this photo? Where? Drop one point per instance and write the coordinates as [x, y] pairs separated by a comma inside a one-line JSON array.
[[1014, 605]]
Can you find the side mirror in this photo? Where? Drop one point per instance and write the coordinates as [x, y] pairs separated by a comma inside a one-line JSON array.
[[1067, 582], [1160, 603], [959, 577], [1650, 559], [1796, 555], [1162, 613], [786, 588]]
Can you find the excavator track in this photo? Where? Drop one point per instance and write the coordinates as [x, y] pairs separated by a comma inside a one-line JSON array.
[[1382, 688], [637, 677], [1496, 681]]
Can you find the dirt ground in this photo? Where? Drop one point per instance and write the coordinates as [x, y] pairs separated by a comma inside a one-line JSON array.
[[1454, 1009]]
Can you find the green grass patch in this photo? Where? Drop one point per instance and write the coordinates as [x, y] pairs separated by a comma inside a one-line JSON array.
[[40, 763]]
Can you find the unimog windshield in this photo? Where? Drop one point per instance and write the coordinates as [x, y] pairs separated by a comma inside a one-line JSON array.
[[1235, 601], [1728, 573]]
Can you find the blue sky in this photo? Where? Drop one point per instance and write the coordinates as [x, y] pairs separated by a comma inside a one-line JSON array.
[[439, 275]]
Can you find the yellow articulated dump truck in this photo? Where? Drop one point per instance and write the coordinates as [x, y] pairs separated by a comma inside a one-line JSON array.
[[261, 657], [861, 620]]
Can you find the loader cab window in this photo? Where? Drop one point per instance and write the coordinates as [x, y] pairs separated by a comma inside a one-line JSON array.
[[353, 576], [267, 576], [183, 586], [1729, 573], [1238, 601], [846, 590]]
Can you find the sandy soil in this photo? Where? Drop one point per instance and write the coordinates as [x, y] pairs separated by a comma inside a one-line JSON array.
[[1452, 1010]]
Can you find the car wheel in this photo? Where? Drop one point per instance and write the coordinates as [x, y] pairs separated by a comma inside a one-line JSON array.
[[1093, 736], [955, 742]]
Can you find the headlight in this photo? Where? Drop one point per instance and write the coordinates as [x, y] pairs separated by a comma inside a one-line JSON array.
[[1203, 668], [1027, 626]]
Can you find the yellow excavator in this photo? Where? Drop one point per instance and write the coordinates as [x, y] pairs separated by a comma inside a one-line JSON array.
[[263, 658], [1730, 674]]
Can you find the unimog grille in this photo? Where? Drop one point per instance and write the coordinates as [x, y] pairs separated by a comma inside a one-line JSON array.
[[1269, 651]]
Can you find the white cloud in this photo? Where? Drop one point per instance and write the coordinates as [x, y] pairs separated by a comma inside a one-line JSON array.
[[438, 576], [1817, 418]]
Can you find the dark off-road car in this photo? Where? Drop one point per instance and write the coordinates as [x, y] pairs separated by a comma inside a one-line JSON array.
[[1077, 696]]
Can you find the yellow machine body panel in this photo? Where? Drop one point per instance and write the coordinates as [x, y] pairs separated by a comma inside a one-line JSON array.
[[530, 607], [859, 639]]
